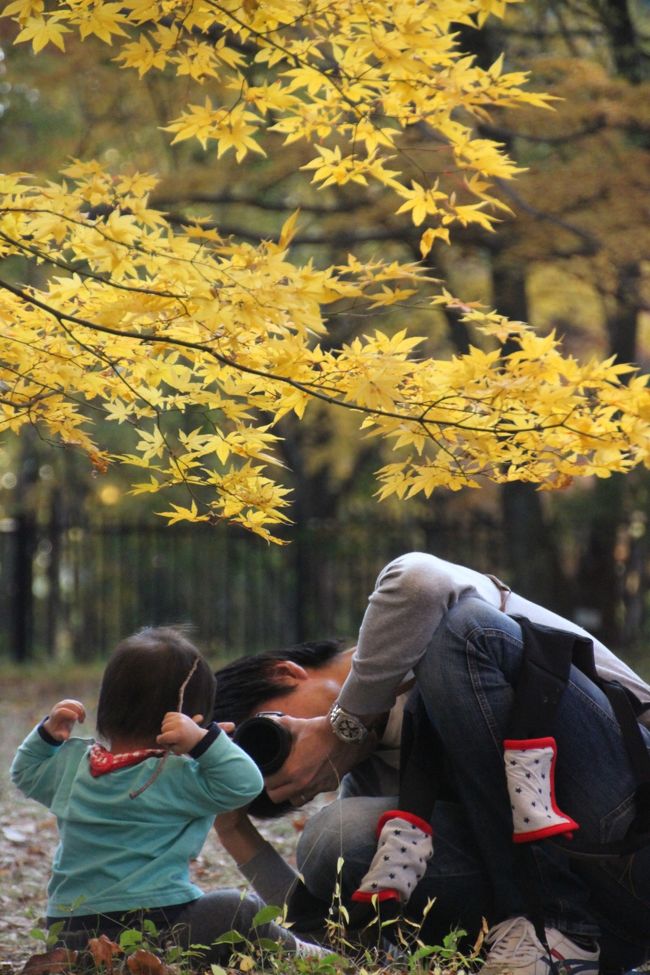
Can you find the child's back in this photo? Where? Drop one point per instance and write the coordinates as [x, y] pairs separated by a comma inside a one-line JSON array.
[[117, 852], [133, 815]]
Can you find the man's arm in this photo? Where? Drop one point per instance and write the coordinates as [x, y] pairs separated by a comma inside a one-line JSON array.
[[411, 596], [269, 874]]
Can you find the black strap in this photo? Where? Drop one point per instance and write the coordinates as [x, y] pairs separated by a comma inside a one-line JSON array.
[[548, 656], [543, 677], [528, 880], [629, 725], [421, 760]]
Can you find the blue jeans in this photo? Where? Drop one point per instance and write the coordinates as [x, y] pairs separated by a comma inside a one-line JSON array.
[[466, 681]]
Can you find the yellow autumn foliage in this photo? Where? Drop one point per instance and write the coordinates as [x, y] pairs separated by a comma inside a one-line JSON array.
[[130, 318]]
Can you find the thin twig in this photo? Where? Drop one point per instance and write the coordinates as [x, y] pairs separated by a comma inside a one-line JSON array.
[[181, 693], [163, 758]]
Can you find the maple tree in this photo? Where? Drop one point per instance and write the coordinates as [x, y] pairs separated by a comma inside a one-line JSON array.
[[574, 257], [135, 317]]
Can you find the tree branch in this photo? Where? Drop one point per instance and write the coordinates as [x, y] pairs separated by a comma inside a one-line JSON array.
[[310, 389], [591, 242]]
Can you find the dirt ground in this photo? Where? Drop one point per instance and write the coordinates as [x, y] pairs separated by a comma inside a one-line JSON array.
[[28, 833]]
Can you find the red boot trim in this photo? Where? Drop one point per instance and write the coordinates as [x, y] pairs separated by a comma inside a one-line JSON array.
[[365, 896], [409, 817]]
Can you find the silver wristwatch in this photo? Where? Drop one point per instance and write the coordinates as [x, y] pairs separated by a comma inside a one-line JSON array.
[[348, 727]]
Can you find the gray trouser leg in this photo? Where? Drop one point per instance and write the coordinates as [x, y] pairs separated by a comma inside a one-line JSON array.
[[221, 911]]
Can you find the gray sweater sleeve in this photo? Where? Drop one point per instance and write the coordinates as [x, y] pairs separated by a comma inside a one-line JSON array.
[[410, 598], [270, 875]]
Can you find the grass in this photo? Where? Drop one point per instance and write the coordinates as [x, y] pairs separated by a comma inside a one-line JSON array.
[[144, 952]]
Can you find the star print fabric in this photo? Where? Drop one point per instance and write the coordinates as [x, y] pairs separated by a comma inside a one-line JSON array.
[[530, 775], [404, 848]]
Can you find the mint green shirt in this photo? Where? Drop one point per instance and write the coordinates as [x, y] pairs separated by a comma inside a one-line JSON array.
[[116, 853]]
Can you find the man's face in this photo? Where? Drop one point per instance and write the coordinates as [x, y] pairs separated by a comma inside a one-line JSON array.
[[312, 694]]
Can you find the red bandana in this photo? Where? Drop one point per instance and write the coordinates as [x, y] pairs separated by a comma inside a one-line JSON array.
[[103, 761]]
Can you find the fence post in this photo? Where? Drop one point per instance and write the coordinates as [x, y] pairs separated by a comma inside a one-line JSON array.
[[23, 599]]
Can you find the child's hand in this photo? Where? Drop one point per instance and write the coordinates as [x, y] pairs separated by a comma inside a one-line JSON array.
[[62, 717], [180, 733]]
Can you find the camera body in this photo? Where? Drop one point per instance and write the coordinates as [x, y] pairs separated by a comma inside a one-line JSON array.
[[268, 743]]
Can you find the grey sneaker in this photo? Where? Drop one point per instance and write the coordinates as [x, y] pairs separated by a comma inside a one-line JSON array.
[[514, 947]]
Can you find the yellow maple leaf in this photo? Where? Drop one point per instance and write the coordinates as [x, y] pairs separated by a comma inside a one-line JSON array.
[[421, 201], [103, 20], [41, 31], [179, 513], [430, 235]]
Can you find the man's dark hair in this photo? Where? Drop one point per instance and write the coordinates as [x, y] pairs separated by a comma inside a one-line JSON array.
[[244, 685], [142, 682]]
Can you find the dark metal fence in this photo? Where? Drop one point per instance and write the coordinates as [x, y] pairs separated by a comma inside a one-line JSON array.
[[73, 590]]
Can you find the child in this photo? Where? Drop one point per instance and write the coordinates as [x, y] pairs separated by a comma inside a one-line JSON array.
[[132, 816]]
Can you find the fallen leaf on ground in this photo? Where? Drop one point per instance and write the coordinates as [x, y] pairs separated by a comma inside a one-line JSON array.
[[58, 961], [13, 835], [103, 951], [143, 962]]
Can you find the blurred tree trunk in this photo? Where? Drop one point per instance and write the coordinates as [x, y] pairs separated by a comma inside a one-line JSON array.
[[602, 576], [316, 502], [530, 544], [602, 573], [54, 593], [22, 576]]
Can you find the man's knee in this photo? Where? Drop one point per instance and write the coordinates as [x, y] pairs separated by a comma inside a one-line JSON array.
[[471, 628], [472, 623], [338, 843], [472, 616]]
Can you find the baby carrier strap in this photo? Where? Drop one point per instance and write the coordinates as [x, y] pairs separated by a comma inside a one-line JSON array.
[[548, 656], [421, 772], [544, 674]]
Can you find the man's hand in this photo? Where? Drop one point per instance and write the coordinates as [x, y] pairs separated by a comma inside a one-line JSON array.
[[317, 761], [62, 718], [180, 733]]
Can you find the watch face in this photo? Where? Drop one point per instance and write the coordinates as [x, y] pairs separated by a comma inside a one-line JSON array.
[[347, 727]]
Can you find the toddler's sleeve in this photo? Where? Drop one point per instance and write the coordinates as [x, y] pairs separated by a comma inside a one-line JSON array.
[[35, 769], [221, 776]]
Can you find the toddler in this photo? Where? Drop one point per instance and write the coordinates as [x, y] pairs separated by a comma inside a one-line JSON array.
[[133, 814]]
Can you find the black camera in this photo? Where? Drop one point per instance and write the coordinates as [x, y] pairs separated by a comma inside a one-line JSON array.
[[268, 743]]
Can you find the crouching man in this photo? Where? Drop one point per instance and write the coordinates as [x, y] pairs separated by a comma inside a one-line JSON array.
[[570, 791]]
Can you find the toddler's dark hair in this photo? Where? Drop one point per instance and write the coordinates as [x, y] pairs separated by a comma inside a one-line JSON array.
[[142, 681]]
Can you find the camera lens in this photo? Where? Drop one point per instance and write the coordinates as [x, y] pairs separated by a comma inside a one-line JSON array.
[[268, 744], [266, 741]]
